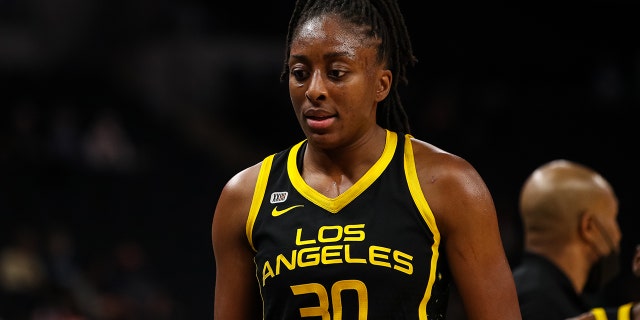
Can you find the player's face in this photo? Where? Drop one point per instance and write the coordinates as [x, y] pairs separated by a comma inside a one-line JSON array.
[[335, 80]]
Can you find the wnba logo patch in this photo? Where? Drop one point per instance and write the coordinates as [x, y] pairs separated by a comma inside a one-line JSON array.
[[278, 197]]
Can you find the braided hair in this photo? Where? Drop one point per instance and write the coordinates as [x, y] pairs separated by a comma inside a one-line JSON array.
[[385, 21]]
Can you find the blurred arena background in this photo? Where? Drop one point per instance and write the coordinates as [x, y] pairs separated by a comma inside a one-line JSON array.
[[120, 121]]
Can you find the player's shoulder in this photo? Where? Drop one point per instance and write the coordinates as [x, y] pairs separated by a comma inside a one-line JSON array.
[[243, 182], [433, 159]]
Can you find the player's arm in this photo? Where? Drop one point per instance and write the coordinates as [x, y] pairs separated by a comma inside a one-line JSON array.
[[466, 216], [236, 290]]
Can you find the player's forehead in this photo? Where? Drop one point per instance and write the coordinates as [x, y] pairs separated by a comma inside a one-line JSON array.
[[335, 31]]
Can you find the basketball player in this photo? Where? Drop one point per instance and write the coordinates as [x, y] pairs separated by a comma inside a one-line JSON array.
[[360, 220]]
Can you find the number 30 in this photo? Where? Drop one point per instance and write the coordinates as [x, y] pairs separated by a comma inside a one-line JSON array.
[[322, 310]]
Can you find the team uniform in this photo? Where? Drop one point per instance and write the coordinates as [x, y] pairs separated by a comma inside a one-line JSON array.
[[622, 312], [373, 252]]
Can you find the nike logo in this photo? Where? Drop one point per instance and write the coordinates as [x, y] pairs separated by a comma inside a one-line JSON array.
[[277, 212]]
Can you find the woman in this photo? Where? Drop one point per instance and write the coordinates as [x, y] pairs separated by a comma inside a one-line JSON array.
[[360, 220]]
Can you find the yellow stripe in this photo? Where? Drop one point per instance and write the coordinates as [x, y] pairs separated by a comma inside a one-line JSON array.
[[599, 313], [427, 215], [258, 195], [624, 312], [336, 204]]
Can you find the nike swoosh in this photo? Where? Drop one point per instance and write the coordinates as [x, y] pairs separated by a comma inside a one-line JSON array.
[[277, 212]]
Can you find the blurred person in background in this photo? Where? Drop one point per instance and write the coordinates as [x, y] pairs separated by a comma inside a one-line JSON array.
[[571, 238]]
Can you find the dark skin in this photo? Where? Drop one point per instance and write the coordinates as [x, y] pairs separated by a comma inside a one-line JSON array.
[[335, 84]]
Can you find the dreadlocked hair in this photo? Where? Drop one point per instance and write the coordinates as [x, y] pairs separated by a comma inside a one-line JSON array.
[[385, 21]]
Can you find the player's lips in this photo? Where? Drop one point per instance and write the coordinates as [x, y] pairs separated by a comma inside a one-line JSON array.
[[320, 123], [319, 119], [318, 114]]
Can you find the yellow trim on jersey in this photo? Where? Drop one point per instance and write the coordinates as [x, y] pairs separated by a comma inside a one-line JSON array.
[[427, 215], [258, 195], [599, 313], [336, 204], [624, 312]]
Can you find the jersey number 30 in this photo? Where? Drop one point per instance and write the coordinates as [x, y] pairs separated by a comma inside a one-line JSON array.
[[322, 310]]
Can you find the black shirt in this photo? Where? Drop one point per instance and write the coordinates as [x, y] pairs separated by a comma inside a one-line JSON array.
[[544, 291]]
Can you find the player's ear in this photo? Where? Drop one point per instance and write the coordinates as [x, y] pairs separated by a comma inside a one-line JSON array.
[[384, 84]]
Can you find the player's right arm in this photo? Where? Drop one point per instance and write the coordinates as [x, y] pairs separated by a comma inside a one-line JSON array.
[[237, 295]]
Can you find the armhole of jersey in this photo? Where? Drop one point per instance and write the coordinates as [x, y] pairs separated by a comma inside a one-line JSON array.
[[415, 189], [421, 203], [599, 313], [624, 312], [258, 195]]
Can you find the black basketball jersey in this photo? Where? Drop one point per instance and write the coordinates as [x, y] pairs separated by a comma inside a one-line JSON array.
[[373, 252]]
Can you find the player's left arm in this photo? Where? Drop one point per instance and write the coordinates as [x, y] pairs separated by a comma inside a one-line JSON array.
[[467, 220]]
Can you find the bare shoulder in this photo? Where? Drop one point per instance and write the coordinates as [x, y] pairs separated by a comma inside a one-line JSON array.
[[243, 182], [453, 188], [434, 164], [233, 205]]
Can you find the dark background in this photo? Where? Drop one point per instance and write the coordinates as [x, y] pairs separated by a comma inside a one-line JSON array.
[[120, 121]]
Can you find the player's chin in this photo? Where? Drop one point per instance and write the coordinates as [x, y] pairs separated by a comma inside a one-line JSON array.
[[323, 138]]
